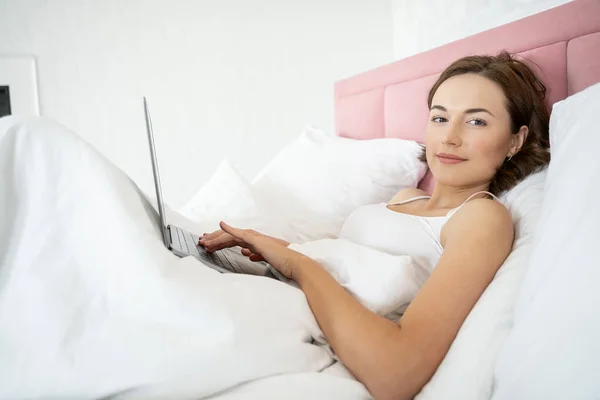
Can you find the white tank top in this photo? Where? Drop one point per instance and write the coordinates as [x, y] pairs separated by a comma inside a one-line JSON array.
[[383, 229]]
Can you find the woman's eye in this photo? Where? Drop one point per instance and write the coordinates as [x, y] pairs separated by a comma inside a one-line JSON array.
[[439, 119], [477, 122]]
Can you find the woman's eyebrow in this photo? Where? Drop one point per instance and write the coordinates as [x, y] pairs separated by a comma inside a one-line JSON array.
[[469, 111], [436, 107], [476, 110]]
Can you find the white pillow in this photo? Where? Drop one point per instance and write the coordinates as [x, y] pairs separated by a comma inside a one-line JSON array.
[[227, 196], [329, 176], [466, 373], [553, 351]]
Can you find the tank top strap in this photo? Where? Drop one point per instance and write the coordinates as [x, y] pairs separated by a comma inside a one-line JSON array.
[[409, 200], [453, 211], [475, 194]]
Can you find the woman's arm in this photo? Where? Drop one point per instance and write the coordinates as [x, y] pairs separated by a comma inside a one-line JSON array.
[[395, 361]]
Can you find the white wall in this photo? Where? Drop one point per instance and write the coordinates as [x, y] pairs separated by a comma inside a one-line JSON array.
[[236, 78], [424, 24]]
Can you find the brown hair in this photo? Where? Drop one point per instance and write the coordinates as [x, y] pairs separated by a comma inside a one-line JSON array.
[[525, 103]]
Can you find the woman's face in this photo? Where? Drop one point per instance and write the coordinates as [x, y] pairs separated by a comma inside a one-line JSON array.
[[468, 134]]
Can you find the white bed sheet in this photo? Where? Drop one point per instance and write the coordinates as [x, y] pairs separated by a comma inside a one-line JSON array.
[[92, 304]]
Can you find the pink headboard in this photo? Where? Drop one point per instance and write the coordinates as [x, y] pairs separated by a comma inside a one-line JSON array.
[[391, 101]]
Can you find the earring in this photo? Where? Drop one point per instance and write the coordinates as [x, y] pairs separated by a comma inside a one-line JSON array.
[[509, 157]]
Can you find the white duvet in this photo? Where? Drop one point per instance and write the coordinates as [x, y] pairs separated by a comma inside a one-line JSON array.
[[384, 283], [92, 304]]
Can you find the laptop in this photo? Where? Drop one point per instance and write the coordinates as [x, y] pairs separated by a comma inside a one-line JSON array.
[[183, 243]]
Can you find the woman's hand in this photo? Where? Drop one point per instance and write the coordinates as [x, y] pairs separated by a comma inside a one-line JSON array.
[[259, 247], [220, 239]]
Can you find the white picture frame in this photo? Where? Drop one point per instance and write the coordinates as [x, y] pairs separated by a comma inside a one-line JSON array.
[[19, 74]]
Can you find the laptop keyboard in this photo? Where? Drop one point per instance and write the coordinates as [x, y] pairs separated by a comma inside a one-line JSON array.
[[189, 244]]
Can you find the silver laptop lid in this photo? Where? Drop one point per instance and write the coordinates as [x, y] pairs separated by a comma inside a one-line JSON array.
[[159, 199]]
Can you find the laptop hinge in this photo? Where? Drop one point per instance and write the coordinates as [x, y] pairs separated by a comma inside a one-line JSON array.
[[170, 246]]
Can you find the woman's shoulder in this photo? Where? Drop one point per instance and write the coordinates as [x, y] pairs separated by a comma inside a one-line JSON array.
[[486, 217], [486, 208], [480, 232], [406, 194]]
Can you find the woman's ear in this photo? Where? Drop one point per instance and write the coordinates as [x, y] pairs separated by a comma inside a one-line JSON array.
[[517, 140]]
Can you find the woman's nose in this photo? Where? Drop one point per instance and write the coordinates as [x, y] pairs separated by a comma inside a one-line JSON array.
[[452, 136]]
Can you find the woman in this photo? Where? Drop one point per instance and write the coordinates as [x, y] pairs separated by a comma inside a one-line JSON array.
[[487, 130]]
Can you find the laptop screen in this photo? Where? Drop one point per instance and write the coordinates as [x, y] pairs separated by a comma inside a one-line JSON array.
[[159, 198]]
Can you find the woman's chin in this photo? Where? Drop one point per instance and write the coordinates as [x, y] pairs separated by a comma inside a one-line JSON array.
[[452, 177]]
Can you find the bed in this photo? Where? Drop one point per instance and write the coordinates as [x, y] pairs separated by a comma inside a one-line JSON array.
[[128, 319]]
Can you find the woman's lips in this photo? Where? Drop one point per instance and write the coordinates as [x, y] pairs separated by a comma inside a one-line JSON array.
[[449, 158]]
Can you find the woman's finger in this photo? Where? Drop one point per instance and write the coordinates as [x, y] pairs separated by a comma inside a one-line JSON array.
[[209, 236], [225, 241], [251, 255], [241, 234], [214, 234], [256, 257]]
